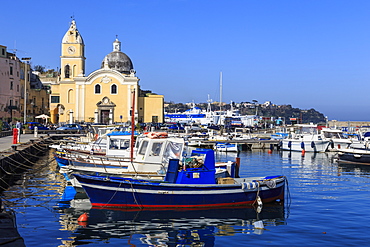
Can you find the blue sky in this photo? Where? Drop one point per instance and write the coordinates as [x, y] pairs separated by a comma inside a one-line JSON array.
[[307, 53]]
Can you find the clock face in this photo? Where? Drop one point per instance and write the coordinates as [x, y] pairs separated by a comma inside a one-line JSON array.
[[71, 49]]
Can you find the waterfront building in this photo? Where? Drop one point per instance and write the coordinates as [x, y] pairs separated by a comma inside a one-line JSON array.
[[104, 96], [10, 85], [14, 88]]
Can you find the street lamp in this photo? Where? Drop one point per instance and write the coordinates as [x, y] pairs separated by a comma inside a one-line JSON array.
[[27, 59]]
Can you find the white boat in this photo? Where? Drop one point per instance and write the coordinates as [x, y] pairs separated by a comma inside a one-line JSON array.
[[148, 160], [305, 138], [337, 139], [196, 140], [227, 147]]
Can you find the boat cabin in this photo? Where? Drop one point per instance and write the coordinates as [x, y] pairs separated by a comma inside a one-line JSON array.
[[159, 148]]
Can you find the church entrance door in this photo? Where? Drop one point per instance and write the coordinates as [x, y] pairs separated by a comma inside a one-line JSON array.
[[104, 116]]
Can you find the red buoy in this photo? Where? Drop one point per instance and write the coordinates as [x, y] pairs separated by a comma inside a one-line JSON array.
[[270, 151], [83, 217], [303, 151]]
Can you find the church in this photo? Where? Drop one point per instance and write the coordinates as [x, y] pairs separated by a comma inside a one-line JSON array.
[[107, 95]]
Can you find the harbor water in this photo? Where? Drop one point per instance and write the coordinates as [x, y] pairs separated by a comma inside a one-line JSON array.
[[327, 204]]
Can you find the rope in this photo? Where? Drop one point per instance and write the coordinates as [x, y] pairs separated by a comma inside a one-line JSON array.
[[19, 163], [5, 183], [289, 198], [114, 194], [133, 194], [257, 195]]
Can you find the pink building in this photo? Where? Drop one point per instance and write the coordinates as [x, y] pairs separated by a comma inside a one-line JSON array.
[[10, 85]]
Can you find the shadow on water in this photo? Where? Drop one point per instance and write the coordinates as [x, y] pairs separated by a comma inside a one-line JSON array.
[[169, 227]]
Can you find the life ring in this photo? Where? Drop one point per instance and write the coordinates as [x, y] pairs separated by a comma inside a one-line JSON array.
[[153, 135], [162, 134]]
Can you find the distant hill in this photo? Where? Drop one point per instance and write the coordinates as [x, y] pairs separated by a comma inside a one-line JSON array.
[[263, 110]]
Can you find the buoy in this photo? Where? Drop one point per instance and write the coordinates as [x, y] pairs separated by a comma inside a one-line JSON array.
[[312, 144], [303, 151], [83, 217], [270, 151]]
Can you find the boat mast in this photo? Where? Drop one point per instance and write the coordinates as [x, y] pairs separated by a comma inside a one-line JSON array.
[[221, 91], [132, 126]]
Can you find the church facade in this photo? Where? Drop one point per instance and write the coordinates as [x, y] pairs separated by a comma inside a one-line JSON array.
[[106, 95]]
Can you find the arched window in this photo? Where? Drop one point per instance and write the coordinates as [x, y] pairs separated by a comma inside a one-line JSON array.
[[97, 89], [74, 71], [113, 89], [70, 98], [66, 71]]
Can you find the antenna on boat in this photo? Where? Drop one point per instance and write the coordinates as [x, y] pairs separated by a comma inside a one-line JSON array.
[[209, 109], [220, 90]]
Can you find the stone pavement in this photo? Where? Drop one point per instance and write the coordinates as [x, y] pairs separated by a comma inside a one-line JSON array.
[[6, 142]]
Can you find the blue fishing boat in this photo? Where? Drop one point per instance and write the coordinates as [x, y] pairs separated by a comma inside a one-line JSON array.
[[192, 183]]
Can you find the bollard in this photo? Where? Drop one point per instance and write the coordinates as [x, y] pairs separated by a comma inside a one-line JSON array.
[[15, 136], [35, 131]]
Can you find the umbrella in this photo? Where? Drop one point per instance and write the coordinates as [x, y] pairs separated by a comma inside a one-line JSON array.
[[43, 116]]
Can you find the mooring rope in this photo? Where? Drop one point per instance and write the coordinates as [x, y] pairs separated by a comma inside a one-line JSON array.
[[113, 194], [133, 194], [5, 184]]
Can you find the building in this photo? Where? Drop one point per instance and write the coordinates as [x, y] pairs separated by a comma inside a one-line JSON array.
[[37, 96], [106, 95], [10, 85]]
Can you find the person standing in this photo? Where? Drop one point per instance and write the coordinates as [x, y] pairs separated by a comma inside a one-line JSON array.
[[19, 126]]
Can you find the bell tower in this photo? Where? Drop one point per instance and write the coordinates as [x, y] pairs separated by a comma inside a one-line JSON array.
[[73, 54]]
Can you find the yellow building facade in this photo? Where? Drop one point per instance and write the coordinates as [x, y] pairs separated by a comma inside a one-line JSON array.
[[106, 95]]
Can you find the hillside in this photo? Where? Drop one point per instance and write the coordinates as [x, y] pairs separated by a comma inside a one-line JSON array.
[[285, 112]]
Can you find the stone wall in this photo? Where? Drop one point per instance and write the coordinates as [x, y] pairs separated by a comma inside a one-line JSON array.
[[335, 123]]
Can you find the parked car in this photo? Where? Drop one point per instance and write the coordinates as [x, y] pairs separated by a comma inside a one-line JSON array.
[[6, 126], [176, 126], [32, 125], [70, 127]]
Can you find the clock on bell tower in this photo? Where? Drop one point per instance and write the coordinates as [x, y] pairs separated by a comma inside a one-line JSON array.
[[73, 54]]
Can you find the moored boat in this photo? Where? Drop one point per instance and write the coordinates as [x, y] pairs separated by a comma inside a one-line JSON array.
[[227, 147], [305, 138], [354, 156], [193, 183]]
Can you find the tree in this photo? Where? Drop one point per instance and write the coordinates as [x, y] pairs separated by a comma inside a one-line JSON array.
[[39, 68]]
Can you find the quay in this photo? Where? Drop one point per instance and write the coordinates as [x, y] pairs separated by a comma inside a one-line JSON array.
[[15, 159], [246, 145]]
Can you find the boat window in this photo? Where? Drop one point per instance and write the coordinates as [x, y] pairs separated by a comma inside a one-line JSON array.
[[143, 147], [173, 151], [156, 149], [119, 144], [328, 135]]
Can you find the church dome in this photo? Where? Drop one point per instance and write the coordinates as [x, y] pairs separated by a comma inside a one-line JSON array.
[[117, 60]]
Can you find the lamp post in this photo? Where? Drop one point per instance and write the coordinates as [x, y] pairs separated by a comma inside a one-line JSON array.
[[26, 64]]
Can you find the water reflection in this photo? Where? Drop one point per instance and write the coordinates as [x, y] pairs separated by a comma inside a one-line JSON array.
[[354, 169], [166, 227], [308, 158]]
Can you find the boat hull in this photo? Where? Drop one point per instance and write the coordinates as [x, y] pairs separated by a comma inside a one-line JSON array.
[[308, 146], [226, 147], [129, 193], [354, 157]]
